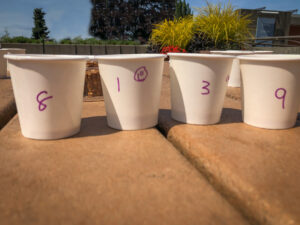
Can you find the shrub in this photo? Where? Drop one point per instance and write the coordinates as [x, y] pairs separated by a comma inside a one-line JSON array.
[[199, 43], [95, 41], [18, 39], [177, 32], [66, 41], [92, 41], [223, 25], [77, 40]]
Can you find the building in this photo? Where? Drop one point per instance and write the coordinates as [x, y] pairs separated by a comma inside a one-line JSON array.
[[267, 24]]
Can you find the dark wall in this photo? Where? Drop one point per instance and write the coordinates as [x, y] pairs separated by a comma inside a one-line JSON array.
[[78, 49]]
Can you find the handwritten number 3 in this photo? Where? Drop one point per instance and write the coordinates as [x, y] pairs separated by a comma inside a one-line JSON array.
[[205, 87]]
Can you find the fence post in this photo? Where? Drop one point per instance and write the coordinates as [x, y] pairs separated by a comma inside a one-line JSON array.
[[43, 41]]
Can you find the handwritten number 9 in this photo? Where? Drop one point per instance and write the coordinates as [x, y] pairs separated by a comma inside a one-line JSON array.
[[280, 94], [205, 88]]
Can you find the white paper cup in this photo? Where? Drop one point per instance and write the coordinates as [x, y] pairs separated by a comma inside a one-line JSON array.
[[49, 92], [131, 88], [3, 62], [270, 88], [263, 52], [198, 86], [235, 74]]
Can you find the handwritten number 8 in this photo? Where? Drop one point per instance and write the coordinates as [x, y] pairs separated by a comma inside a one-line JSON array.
[[281, 91]]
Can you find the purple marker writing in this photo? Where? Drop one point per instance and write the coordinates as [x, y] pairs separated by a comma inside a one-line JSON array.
[[205, 88], [118, 84], [141, 74], [282, 97], [227, 78], [42, 106]]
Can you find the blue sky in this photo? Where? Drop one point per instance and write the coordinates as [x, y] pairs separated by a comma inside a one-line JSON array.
[[70, 18]]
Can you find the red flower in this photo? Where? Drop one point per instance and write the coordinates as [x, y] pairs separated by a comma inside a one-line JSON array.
[[168, 49]]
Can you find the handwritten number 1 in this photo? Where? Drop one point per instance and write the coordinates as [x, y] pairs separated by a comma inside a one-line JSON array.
[[205, 87], [118, 84]]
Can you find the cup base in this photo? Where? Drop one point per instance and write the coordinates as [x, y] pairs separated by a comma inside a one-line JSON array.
[[51, 135], [131, 128], [271, 126], [198, 122], [132, 123]]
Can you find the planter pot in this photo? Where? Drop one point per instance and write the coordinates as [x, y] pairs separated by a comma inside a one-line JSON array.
[[131, 87], [166, 70], [4, 71], [204, 51], [198, 86], [235, 74], [49, 91], [92, 84], [270, 88]]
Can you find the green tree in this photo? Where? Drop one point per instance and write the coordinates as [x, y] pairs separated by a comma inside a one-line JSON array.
[[128, 19], [40, 30], [5, 38], [182, 9]]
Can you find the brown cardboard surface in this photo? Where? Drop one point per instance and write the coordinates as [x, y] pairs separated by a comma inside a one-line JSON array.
[[234, 93], [103, 176], [257, 170], [7, 102]]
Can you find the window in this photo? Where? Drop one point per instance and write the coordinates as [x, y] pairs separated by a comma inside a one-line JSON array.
[[265, 28]]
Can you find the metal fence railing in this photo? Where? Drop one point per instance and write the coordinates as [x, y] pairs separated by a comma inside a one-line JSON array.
[[277, 41]]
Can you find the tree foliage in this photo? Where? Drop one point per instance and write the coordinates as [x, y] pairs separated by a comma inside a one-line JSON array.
[[182, 9], [128, 20], [40, 30]]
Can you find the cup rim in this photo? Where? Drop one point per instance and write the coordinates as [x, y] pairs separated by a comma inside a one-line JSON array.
[[233, 52], [270, 57], [46, 57], [263, 51], [199, 55], [7, 49], [130, 56]]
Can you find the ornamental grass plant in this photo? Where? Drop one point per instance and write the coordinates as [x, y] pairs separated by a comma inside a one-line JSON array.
[[217, 26], [223, 25], [177, 32]]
